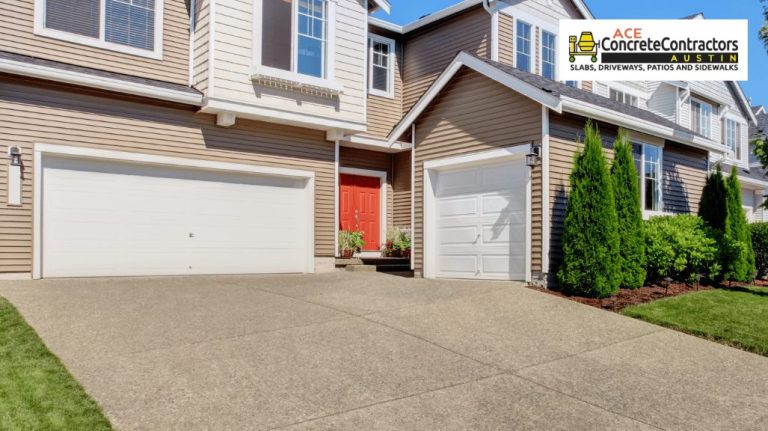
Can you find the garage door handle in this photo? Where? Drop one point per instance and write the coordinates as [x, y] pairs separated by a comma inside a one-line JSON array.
[[475, 241], [191, 235]]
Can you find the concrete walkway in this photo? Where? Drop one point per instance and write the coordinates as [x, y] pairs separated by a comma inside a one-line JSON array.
[[347, 351]]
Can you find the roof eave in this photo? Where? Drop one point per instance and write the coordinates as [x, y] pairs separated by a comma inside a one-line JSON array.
[[383, 5]]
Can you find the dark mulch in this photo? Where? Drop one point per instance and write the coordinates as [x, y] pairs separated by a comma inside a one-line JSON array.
[[628, 297]]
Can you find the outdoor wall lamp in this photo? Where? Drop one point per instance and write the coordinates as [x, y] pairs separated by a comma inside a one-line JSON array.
[[532, 158], [14, 176], [15, 155]]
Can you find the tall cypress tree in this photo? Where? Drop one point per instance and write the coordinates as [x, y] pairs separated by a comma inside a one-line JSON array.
[[739, 264], [631, 260], [712, 204], [590, 236]]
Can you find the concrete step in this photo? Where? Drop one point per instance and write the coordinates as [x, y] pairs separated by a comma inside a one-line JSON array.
[[360, 268]]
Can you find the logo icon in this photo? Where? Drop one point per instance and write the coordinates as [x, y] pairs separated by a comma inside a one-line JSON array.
[[585, 46]]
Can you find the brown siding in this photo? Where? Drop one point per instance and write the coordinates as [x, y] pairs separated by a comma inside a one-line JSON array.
[[506, 39], [200, 60], [428, 52], [684, 172], [384, 113], [375, 160], [475, 114], [586, 86], [401, 184], [17, 35], [34, 112]]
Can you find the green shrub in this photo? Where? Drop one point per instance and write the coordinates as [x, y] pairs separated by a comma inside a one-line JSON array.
[[738, 258], [630, 218], [759, 233], [712, 206], [590, 235], [680, 247]]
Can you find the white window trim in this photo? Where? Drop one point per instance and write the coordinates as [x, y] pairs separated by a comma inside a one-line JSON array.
[[711, 115], [390, 94], [743, 143], [541, 53], [99, 42], [623, 91], [382, 176], [650, 213], [327, 82]]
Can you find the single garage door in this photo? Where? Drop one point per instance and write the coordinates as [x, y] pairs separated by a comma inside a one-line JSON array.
[[481, 221], [106, 218]]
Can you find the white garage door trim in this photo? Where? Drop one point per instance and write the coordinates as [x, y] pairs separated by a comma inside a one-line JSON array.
[[40, 150], [431, 167]]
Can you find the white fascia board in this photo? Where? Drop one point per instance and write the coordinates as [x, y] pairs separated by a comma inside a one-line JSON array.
[[368, 143], [386, 25], [383, 5], [443, 13], [582, 7], [634, 123], [279, 116], [744, 101], [96, 81], [464, 59], [753, 183]]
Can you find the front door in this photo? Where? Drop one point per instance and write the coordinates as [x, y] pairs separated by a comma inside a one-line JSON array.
[[360, 208]]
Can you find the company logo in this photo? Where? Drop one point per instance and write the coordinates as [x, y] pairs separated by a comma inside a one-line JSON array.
[[653, 50]]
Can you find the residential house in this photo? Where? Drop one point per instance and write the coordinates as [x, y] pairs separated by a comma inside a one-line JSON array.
[[223, 136], [752, 176]]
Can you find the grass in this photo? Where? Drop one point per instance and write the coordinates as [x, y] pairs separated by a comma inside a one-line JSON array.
[[737, 317], [36, 391]]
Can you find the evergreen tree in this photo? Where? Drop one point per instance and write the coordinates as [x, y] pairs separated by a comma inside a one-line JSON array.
[[590, 236], [631, 260], [712, 207], [739, 264]]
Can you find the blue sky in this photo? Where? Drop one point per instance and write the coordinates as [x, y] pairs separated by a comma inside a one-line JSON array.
[[405, 11]]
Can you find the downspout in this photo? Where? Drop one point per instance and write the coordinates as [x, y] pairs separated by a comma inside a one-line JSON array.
[[192, 25], [490, 6], [413, 195]]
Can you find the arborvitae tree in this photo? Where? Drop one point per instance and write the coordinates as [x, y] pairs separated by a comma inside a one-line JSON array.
[[631, 260], [712, 205], [590, 237], [739, 264]]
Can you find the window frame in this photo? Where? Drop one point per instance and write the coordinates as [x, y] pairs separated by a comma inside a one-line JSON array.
[[157, 53], [390, 93], [660, 202], [532, 35], [328, 79], [739, 147], [711, 115], [624, 96], [541, 54]]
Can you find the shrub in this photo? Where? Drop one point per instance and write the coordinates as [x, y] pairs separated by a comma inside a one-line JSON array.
[[759, 233], [739, 258], [680, 247], [712, 206], [631, 260], [590, 236]]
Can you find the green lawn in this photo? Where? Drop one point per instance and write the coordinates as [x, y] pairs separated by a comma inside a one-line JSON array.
[[36, 391], [736, 317]]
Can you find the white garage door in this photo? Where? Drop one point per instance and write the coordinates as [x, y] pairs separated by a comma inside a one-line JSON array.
[[481, 221], [104, 218]]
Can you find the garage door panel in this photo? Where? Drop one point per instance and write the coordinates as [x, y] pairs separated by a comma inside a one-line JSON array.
[[459, 264], [454, 207], [500, 204], [458, 235]]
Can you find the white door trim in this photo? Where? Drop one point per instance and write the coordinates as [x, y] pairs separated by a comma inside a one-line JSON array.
[[431, 167], [382, 176], [40, 150]]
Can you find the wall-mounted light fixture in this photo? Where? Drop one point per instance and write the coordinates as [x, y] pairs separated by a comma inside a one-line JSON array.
[[14, 175], [15, 155], [532, 158]]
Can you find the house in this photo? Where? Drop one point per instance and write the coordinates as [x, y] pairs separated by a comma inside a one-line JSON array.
[[752, 177], [223, 136]]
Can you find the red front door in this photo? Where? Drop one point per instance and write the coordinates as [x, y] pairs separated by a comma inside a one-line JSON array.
[[360, 208]]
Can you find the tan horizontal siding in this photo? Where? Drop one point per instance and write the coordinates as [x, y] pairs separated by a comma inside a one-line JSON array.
[[475, 114], [506, 39], [586, 86], [430, 51], [17, 35], [200, 55], [401, 185], [374, 160], [34, 112], [685, 173], [384, 113]]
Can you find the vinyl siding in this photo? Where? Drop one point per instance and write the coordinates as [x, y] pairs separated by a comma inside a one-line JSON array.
[[17, 35], [401, 184], [684, 172], [34, 112], [475, 114], [233, 64], [374, 160], [202, 38], [586, 85], [384, 113], [429, 51], [506, 39], [662, 100]]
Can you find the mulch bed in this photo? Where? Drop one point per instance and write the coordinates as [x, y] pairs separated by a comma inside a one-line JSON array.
[[629, 297]]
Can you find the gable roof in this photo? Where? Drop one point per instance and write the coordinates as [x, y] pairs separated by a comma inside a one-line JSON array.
[[744, 101], [761, 128], [559, 98], [757, 110]]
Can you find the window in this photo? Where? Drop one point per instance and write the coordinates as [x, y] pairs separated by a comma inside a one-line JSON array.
[[523, 46], [131, 26], [574, 84], [732, 137], [302, 51], [701, 118], [381, 66], [548, 43], [648, 161], [622, 97]]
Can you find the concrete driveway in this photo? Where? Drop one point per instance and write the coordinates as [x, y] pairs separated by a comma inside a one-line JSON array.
[[351, 351]]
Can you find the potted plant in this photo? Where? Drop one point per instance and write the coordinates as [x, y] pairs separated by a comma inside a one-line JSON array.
[[390, 247], [403, 243], [350, 242]]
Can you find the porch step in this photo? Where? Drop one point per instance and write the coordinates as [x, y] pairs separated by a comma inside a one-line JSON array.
[[372, 264]]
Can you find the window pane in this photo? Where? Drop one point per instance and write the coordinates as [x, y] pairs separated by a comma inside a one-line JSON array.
[[380, 65], [380, 79], [311, 50], [652, 176], [73, 16], [276, 30], [523, 46], [310, 56], [130, 23], [573, 84]]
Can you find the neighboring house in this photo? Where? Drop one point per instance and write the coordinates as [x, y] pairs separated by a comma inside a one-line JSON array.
[[752, 177], [189, 142]]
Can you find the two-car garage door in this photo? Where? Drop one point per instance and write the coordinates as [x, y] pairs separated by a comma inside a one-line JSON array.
[[108, 218]]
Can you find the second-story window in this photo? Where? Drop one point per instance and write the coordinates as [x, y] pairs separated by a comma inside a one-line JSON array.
[[701, 117], [732, 137], [548, 43], [294, 35], [622, 97], [381, 66], [523, 45], [130, 26]]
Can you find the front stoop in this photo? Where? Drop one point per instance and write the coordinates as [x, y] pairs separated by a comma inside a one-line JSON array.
[[373, 264]]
